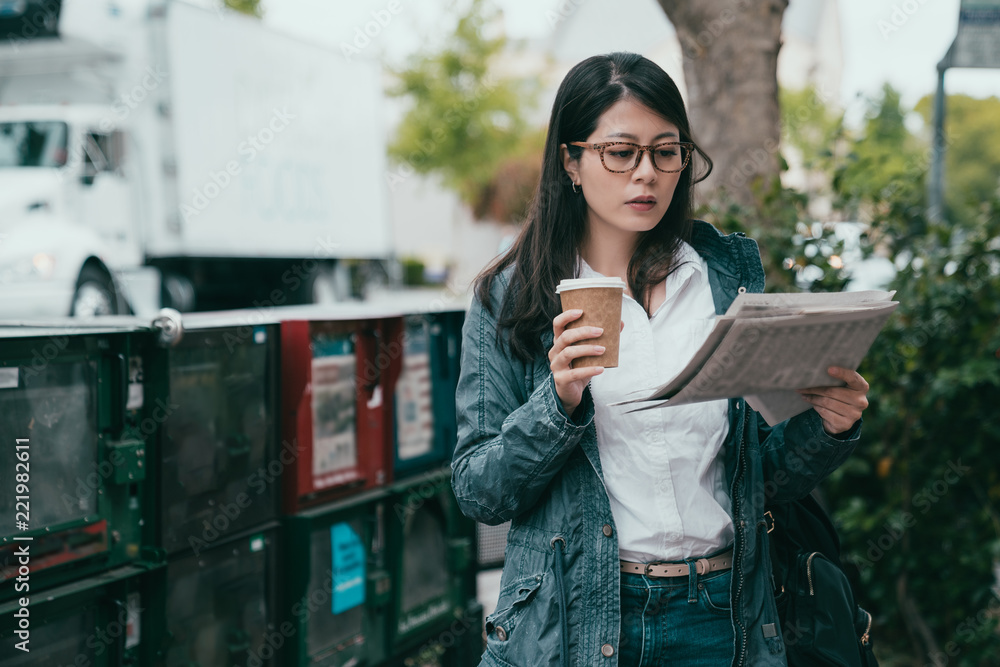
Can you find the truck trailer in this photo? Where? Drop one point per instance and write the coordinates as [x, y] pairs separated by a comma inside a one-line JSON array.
[[157, 153]]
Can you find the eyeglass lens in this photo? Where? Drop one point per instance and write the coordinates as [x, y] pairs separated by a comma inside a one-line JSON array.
[[625, 157]]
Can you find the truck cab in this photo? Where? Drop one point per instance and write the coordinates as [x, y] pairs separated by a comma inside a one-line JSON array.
[[67, 210]]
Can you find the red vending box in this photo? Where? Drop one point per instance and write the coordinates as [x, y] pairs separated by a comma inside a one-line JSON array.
[[333, 408]]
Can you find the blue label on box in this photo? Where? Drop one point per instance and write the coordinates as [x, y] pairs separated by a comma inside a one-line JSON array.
[[348, 568], [329, 347]]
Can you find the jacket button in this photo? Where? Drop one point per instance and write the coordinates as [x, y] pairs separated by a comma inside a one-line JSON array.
[[607, 650], [607, 530], [501, 633]]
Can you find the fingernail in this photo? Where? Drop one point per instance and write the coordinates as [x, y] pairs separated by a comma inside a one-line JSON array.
[[597, 330], [576, 311], [599, 348]]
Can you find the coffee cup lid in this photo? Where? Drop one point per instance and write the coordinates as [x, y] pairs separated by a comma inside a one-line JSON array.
[[584, 283]]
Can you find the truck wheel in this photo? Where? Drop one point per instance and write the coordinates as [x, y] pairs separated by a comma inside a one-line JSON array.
[[94, 294], [325, 287], [329, 283], [177, 292], [46, 19]]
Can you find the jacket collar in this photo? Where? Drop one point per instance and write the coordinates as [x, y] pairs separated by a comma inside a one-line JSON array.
[[733, 262]]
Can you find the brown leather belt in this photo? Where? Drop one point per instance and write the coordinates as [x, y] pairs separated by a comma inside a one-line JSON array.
[[702, 566]]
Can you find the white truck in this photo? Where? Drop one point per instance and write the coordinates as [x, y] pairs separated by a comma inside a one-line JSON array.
[[161, 154]]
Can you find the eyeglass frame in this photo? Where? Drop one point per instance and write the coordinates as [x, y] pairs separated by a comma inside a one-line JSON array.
[[642, 149]]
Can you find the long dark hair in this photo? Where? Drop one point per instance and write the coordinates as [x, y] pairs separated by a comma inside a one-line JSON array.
[[546, 249]]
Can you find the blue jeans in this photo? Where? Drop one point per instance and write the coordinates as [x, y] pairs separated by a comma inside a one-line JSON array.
[[676, 620]]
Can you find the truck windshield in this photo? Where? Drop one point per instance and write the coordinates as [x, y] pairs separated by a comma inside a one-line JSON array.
[[33, 144]]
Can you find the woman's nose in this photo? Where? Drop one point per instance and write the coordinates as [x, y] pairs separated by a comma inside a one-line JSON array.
[[645, 171]]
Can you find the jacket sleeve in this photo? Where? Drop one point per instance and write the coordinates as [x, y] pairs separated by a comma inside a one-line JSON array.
[[798, 454], [509, 445]]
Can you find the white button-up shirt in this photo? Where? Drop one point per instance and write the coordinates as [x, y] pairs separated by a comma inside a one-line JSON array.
[[662, 467]]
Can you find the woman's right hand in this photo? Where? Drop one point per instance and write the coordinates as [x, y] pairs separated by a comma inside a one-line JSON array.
[[570, 382]]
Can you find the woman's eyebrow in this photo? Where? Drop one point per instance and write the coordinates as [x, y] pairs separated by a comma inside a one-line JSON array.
[[626, 135]]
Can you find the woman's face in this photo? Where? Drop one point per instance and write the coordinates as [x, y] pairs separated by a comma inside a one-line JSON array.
[[633, 201]]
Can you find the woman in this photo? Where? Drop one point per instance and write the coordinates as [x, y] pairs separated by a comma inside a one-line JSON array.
[[636, 538]]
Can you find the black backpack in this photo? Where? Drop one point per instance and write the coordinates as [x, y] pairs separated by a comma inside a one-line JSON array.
[[821, 622]]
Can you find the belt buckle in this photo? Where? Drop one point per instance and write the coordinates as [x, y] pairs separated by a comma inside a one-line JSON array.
[[769, 520], [646, 566]]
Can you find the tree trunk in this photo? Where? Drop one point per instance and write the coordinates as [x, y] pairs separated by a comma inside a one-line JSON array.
[[730, 50]]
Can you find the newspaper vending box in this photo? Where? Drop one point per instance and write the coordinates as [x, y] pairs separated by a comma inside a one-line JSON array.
[[108, 620], [73, 410], [425, 350], [430, 544], [338, 588], [333, 402], [221, 466], [221, 603]]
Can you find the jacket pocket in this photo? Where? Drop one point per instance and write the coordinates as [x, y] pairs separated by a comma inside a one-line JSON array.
[[821, 613], [514, 600], [506, 645]]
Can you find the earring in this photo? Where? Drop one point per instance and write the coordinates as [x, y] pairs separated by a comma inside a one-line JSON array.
[[574, 187]]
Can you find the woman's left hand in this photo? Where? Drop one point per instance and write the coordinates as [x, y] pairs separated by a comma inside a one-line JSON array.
[[839, 407]]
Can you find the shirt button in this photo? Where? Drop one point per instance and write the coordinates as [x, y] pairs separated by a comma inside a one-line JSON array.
[[607, 650], [501, 633], [607, 530]]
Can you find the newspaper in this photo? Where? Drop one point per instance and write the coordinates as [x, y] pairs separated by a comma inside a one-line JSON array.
[[768, 345]]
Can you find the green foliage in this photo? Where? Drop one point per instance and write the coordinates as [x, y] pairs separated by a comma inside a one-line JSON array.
[[882, 178], [250, 7], [917, 502], [466, 121], [808, 124], [972, 162], [413, 271], [797, 254], [917, 505], [509, 192]]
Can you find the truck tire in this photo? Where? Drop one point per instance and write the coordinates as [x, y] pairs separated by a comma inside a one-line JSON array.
[[177, 292], [40, 19], [327, 286], [329, 283], [46, 19], [95, 294]]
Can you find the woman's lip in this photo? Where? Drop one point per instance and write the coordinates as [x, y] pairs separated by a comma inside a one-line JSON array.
[[640, 206]]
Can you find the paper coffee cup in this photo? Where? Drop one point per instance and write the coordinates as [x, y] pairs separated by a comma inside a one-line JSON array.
[[600, 299]]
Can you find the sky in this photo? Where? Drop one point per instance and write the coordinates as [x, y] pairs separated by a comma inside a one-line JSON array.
[[907, 57], [899, 41]]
